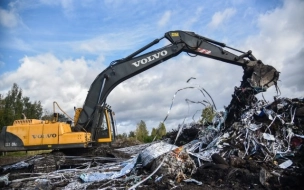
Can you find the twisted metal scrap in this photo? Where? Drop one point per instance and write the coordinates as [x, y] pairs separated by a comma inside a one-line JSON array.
[[180, 129]]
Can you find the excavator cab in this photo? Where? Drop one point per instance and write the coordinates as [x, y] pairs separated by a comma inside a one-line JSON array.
[[105, 132]]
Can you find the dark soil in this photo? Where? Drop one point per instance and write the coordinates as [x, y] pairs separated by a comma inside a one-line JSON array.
[[235, 173], [4, 160]]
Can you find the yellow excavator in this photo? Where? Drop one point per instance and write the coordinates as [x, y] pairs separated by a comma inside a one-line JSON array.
[[94, 122]]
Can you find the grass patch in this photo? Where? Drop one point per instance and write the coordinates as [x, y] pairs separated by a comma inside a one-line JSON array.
[[24, 153]]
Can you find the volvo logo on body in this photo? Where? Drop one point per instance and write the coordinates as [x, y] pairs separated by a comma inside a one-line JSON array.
[[45, 136], [150, 58]]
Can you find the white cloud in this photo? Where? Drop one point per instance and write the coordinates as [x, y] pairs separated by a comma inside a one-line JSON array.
[[279, 43], [144, 97], [281, 32], [148, 96], [164, 19], [46, 78], [220, 17], [8, 18]]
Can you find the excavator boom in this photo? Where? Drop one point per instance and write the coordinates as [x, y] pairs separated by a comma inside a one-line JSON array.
[[256, 74]]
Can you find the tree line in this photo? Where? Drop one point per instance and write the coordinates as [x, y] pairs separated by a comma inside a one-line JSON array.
[[14, 105], [141, 133]]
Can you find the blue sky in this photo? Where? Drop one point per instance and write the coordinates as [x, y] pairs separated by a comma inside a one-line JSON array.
[[59, 47], [60, 26]]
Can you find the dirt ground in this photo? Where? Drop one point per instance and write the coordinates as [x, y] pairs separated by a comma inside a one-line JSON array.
[[228, 174], [4, 160]]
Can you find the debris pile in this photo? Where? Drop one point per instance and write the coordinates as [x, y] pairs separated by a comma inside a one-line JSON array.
[[264, 144], [252, 145]]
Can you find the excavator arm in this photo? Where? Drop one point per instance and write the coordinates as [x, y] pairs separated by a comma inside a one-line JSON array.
[[256, 74]]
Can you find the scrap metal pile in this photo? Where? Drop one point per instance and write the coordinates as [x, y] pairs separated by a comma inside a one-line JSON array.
[[262, 148]]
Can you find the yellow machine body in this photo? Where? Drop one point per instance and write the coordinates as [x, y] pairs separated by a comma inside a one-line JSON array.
[[32, 134]]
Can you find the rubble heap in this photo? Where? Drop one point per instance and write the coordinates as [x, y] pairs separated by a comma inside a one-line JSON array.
[[253, 144], [264, 138]]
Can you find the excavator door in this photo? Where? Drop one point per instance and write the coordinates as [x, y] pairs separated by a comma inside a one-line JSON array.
[[106, 132]]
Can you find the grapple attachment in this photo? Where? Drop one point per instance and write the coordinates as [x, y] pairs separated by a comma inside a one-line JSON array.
[[260, 76]]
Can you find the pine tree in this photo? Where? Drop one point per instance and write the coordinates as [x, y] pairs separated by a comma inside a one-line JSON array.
[[141, 131], [14, 105], [161, 130], [131, 134], [153, 132]]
